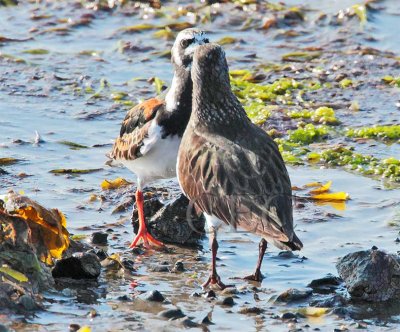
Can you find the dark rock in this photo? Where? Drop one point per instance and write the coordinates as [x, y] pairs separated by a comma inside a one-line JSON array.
[[123, 298], [150, 207], [371, 275], [207, 321], [28, 303], [154, 296], [179, 267], [100, 253], [288, 316], [325, 285], [332, 301], [170, 224], [227, 301], [293, 294], [286, 254], [74, 327], [172, 313], [251, 310], [210, 294], [187, 322], [128, 264], [3, 328], [159, 268], [99, 238], [79, 266]]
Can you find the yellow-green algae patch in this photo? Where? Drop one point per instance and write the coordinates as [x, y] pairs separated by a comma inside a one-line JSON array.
[[391, 132]]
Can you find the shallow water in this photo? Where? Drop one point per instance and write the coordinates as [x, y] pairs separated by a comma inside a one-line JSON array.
[[32, 99]]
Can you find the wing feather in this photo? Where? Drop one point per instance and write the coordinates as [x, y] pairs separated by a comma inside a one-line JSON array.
[[243, 182], [135, 130]]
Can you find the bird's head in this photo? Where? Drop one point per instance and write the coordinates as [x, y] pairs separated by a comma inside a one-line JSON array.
[[185, 44], [210, 66]]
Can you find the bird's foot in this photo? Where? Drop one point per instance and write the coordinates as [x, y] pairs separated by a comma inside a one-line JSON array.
[[214, 279], [256, 276], [147, 239]]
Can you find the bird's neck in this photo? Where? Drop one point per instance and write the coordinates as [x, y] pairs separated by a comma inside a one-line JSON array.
[[179, 96], [215, 106]]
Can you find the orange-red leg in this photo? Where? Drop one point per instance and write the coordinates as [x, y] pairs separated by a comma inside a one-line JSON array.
[[257, 276], [143, 234], [214, 278]]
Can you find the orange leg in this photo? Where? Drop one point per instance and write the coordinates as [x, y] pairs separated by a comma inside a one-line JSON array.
[[142, 233], [214, 278], [257, 276]]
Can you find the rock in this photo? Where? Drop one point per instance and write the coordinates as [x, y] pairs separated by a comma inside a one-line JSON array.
[[123, 298], [3, 328], [154, 296], [28, 303], [371, 275], [100, 253], [207, 321], [171, 225], [227, 301], [99, 238], [251, 310], [159, 268], [171, 313], [150, 207], [187, 322], [79, 266], [325, 285], [74, 327], [286, 254], [128, 264], [293, 294], [289, 316], [229, 291], [333, 301], [179, 267], [210, 294]]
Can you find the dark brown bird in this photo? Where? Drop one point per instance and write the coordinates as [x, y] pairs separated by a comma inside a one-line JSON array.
[[152, 131], [229, 168]]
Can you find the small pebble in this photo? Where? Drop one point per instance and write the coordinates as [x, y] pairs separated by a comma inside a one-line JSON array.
[[210, 294], [74, 327], [154, 296], [171, 313], [179, 267], [99, 238], [228, 301], [288, 316]]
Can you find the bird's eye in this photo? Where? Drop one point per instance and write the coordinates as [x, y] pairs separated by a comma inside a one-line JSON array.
[[206, 40], [186, 42]]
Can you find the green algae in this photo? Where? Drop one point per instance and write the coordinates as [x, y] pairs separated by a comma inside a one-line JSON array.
[[391, 132], [259, 113], [37, 51], [308, 134], [391, 80], [365, 164], [74, 171], [360, 10], [323, 115], [301, 56], [73, 145], [345, 83], [227, 40]]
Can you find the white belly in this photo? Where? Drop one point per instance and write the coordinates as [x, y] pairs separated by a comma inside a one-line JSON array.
[[212, 222], [157, 163]]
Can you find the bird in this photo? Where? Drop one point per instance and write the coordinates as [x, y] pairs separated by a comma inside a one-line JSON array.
[[152, 130], [229, 168]]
